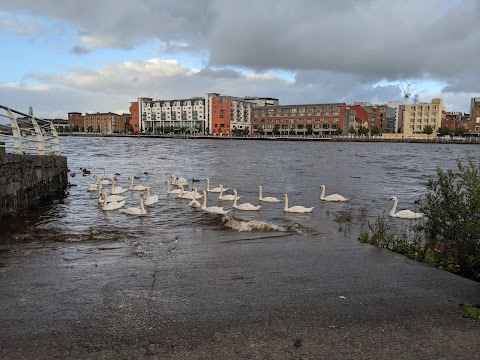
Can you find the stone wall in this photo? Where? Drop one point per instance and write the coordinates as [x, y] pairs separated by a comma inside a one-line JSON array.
[[25, 179]]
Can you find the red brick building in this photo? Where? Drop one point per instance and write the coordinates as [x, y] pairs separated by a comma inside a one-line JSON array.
[[76, 120]]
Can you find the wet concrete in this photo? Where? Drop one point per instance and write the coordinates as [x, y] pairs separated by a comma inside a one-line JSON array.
[[259, 297]]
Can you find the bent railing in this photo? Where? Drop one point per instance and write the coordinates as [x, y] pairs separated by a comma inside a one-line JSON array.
[[27, 134]]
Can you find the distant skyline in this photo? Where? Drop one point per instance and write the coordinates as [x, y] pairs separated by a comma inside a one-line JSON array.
[[89, 56]]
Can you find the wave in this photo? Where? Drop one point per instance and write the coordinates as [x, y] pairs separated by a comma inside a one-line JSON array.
[[242, 225]]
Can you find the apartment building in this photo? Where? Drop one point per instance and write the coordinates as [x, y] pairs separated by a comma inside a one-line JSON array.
[[475, 116], [105, 123], [76, 121], [181, 115], [226, 113], [417, 116], [317, 119]]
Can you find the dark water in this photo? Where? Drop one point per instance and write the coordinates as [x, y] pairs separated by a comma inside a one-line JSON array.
[[367, 173]]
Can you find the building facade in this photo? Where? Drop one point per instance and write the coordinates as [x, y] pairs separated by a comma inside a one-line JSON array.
[[105, 123], [228, 114], [76, 121], [417, 116], [316, 119], [475, 116], [171, 116]]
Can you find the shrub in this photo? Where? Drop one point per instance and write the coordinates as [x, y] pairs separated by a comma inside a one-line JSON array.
[[451, 202]]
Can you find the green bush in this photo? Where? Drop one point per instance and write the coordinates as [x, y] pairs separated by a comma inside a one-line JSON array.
[[451, 202]]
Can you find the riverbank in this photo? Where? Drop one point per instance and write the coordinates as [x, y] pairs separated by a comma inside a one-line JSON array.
[[466, 140], [173, 297]]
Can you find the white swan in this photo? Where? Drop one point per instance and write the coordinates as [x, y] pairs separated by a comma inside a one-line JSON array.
[[174, 191], [214, 190], [105, 180], [111, 205], [136, 187], [212, 209], [333, 197], [297, 209], [404, 214], [110, 198], [189, 195], [178, 181], [135, 211], [244, 206], [266, 199], [117, 189], [226, 197], [194, 203], [150, 200], [96, 185]]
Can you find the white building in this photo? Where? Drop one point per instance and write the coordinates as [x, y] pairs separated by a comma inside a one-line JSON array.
[[417, 116]]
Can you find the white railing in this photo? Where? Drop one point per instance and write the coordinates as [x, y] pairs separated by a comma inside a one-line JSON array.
[[26, 134]]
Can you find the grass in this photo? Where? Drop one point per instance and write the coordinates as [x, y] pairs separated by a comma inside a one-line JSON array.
[[471, 312]]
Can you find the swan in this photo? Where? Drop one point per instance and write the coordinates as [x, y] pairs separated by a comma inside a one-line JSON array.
[[189, 195], [214, 190], [178, 181], [333, 197], [96, 185], [136, 187], [150, 200], [194, 203], [404, 214], [226, 197], [116, 189], [212, 209], [174, 191], [297, 209], [266, 199], [135, 211], [244, 206], [106, 180], [111, 205], [110, 198]]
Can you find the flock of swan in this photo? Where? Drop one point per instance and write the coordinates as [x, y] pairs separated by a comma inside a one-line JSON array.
[[176, 187]]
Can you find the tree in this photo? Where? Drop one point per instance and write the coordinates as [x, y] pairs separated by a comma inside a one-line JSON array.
[[363, 130], [443, 131], [460, 130], [352, 130], [339, 131], [291, 131], [246, 131], [260, 130], [309, 129], [276, 130], [428, 129], [376, 130]]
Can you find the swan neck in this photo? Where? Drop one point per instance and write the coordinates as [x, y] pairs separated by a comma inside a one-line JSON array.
[[204, 203], [322, 195], [285, 207], [394, 207]]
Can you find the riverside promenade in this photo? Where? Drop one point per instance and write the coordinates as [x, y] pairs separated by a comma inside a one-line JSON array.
[[171, 297], [408, 139]]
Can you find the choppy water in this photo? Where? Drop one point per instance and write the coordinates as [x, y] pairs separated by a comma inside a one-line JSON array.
[[367, 173]]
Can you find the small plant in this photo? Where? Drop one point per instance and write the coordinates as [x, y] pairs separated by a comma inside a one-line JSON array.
[[471, 312], [362, 214], [344, 218]]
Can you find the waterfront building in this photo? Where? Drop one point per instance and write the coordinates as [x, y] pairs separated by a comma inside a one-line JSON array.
[[228, 114], [475, 116], [134, 123], [399, 108], [417, 116], [76, 121], [315, 119], [171, 116], [105, 123]]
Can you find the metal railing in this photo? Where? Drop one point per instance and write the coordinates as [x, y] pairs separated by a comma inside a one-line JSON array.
[[27, 134]]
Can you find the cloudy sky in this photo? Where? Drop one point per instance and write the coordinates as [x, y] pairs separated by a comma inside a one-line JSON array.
[[89, 56]]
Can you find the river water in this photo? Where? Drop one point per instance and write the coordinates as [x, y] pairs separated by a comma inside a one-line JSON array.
[[367, 173]]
